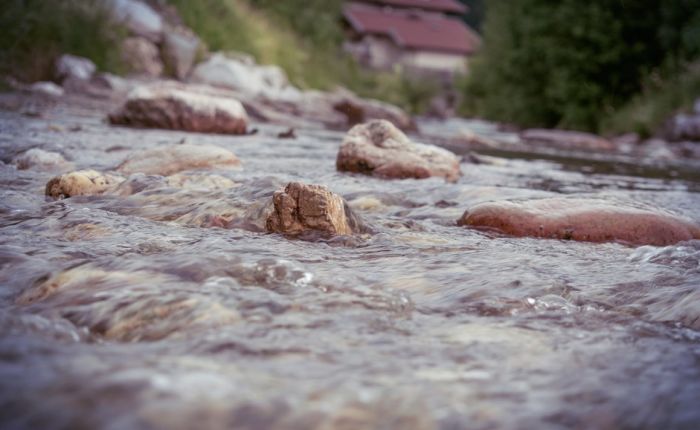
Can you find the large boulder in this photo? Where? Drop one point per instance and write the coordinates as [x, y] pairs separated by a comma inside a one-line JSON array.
[[301, 208], [141, 56], [179, 52], [379, 148], [81, 183], [567, 140], [588, 220], [171, 159], [139, 18], [73, 67], [177, 108]]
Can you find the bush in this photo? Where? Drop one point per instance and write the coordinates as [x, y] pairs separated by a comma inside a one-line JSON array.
[[34, 32]]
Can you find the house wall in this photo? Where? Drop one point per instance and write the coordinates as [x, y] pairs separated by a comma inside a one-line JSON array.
[[437, 61]]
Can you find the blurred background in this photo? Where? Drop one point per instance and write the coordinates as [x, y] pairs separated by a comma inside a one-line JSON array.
[[605, 66]]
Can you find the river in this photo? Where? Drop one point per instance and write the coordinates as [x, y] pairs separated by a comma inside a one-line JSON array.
[[124, 312]]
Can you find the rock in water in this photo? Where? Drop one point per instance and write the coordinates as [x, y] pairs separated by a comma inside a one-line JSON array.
[[81, 183], [379, 148], [301, 208], [176, 108], [567, 140], [176, 158], [38, 158], [586, 220]]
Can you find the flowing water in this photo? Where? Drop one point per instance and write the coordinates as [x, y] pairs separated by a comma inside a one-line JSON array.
[[140, 311]]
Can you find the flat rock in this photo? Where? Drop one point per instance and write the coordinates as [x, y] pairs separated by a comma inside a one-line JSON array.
[[587, 220], [567, 140], [177, 108], [379, 148], [81, 183], [172, 159], [301, 208], [38, 158]]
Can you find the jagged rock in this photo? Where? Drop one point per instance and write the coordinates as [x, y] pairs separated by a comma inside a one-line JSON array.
[[139, 18], [301, 208], [73, 67], [587, 220], [47, 89], [177, 108], [176, 158], [81, 183], [379, 148], [179, 52], [567, 140], [38, 158], [141, 56]]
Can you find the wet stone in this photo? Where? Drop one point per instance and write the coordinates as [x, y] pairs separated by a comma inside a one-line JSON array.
[[81, 183], [587, 220], [168, 160], [379, 148]]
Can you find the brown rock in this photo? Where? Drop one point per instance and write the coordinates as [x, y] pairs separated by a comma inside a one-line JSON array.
[[586, 220], [176, 108], [81, 183], [358, 110], [301, 208], [176, 158], [379, 148]]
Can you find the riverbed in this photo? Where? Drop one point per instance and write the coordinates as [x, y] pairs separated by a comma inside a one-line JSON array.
[[138, 311]]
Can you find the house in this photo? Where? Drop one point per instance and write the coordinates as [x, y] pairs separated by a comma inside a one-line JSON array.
[[419, 36]]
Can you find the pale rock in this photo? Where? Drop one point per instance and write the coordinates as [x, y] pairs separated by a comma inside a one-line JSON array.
[[179, 52], [379, 148], [47, 89], [139, 18], [81, 183], [38, 158], [172, 159], [73, 67], [181, 108]]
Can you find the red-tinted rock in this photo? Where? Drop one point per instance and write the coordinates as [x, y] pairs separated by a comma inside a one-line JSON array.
[[587, 220]]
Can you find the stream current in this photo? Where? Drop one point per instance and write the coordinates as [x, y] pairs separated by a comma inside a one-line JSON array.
[[136, 311]]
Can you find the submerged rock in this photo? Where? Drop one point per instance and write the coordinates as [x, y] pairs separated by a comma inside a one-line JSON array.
[[567, 140], [81, 183], [379, 148], [38, 158], [586, 220], [171, 159], [177, 108], [301, 208]]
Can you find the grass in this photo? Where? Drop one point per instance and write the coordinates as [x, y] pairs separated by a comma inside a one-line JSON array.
[[302, 37], [646, 113], [34, 32]]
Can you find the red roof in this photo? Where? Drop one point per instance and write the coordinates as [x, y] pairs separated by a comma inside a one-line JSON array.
[[413, 30], [449, 6]]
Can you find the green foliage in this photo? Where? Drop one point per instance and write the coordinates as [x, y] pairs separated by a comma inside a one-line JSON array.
[[570, 63], [301, 36], [34, 32]]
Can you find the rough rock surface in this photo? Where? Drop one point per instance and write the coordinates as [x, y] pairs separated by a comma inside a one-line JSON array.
[[81, 183], [171, 159], [73, 67], [569, 140], [587, 220], [176, 108], [38, 158], [379, 148], [141, 56], [301, 208]]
